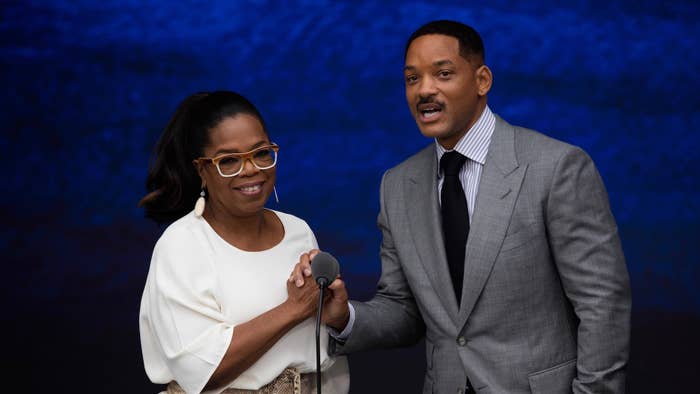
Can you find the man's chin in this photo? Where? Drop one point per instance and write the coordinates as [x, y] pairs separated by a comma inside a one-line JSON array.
[[432, 131]]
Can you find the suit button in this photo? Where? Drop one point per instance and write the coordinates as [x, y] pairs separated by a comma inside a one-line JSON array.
[[461, 341]]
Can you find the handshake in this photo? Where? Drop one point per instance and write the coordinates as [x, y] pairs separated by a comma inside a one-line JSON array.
[[325, 270]]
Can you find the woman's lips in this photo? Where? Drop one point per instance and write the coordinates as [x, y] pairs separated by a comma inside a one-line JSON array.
[[250, 189]]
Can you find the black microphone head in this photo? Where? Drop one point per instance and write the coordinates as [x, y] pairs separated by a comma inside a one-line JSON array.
[[324, 268]]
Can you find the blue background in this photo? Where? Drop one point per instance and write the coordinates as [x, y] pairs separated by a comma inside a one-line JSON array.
[[88, 87]]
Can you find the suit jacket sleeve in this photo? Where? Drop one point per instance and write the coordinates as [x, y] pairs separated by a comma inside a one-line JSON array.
[[391, 318], [586, 248]]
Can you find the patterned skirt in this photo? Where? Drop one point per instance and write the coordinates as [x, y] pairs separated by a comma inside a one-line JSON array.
[[290, 381]]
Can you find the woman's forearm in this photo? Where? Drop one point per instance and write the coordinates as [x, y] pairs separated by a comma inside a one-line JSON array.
[[252, 339]]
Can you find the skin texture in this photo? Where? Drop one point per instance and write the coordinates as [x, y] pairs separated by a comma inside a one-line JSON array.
[[239, 218], [437, 77]]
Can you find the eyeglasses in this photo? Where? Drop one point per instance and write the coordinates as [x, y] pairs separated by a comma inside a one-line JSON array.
[[231, 164]]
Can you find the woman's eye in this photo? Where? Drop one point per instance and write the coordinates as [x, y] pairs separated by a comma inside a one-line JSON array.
[[227, 161], [262, 153]]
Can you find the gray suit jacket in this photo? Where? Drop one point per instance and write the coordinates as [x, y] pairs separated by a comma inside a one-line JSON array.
[[546, 299]]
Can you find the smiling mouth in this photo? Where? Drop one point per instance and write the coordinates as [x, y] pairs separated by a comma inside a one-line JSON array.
[[251, 189]]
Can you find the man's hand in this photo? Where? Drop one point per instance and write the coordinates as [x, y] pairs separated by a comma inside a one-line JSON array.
[[302, 269], [335, 307]]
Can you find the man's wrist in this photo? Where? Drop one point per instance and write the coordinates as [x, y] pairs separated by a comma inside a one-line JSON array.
[[340, 324], [347, 329]]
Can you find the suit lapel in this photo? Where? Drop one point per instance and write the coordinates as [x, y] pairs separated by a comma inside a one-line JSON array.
[[499, 186], [420, 189]]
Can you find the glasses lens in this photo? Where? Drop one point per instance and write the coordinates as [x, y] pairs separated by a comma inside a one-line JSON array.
[[230, 165], [265, 158]]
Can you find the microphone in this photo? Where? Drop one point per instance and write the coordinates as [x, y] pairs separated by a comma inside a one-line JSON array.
[[324, 268]]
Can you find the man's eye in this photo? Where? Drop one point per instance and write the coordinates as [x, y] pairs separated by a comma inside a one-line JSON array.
[[411, 79], [445, 74]]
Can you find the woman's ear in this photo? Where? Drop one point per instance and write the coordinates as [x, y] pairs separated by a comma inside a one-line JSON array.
[[199, 166]]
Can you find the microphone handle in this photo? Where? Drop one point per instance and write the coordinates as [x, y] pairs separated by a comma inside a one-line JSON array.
[[321, 286]]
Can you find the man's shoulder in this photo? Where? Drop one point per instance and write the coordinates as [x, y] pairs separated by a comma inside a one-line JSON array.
[[532, 145], [416, 162], [526, 138]]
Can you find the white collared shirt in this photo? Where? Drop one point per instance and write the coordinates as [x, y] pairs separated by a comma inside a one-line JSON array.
[[474, 145]]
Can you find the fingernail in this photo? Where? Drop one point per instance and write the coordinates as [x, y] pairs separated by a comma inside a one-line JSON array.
[[307, 271], [299, 282]]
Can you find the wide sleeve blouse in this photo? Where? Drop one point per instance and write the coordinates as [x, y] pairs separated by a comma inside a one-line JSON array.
[[199, 287], [186, 334]]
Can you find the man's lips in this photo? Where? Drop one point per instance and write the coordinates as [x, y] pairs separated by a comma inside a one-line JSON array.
[[250, 188], [429, 112]]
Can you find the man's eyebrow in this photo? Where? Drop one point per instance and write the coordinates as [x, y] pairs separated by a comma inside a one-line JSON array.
[[438, 63], [443, 62]]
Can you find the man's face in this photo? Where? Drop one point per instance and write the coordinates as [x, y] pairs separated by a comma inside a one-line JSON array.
[[445, 93]]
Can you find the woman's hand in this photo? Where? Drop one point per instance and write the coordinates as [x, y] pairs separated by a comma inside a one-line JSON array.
[[255, 337], [302, 300]]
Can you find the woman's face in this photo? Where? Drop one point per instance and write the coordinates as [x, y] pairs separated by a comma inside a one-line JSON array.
[[246, 193]]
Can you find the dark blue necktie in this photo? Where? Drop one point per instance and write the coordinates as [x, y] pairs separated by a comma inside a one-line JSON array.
[[455, 217]]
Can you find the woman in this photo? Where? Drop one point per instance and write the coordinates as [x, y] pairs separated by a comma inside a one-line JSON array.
[[216, 315]]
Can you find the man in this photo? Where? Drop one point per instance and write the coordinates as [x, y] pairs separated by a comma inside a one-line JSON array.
[[498, 245]]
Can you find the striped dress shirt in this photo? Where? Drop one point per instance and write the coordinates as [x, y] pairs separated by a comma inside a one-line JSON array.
[[474, 145]]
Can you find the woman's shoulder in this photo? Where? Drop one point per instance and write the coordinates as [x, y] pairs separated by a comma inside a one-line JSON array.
[[297, 231], [292, 222], [185, 236], [179, 229], [181, 250]]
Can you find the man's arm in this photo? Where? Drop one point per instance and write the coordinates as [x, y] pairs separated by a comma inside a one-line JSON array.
[[391, 318], [586, 249]]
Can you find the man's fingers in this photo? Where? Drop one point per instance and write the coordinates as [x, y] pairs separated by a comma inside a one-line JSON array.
[[301, 269], [313, 253], [297, 277], [337, 284], [307, 262]]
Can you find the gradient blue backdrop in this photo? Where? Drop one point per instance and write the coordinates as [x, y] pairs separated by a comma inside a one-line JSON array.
[[88, 86]]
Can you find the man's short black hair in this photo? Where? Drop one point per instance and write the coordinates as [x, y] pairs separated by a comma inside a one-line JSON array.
[[470, 45]]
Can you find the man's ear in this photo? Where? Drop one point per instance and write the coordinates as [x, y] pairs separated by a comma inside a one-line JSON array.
[[484, 79]]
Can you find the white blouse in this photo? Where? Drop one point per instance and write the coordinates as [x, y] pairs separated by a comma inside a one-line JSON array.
[[199, 287]]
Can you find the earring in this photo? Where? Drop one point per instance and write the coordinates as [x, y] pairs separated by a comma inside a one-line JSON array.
[[274, 189], [199, 205]]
